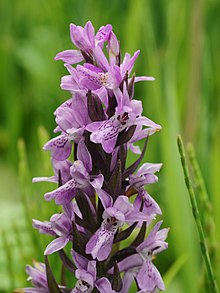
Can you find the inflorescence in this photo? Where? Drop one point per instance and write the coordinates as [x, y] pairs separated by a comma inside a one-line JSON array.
[[103, 201]]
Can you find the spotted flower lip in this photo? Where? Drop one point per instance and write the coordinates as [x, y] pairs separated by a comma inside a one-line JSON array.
[[140, 265], [87, 276], [127, 114], [150, 206], [149, 278], [152, 245], [114, 216]]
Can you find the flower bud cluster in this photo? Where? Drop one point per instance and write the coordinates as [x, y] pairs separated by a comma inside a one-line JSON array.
[[103, 200]]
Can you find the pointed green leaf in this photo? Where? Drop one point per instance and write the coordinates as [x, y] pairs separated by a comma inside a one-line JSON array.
[[120, 255], [134, 166], [125, 136], [52, 284], [85, 208], [66, 261], [112, 104], [116, 281], [95, 107], [140, 237], [131, 86], [113, 187], [125, 233]]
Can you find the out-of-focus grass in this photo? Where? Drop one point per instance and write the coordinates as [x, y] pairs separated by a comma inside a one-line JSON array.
[[179, 42]]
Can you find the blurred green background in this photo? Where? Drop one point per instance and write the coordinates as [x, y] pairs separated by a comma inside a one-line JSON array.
[[180, 45]]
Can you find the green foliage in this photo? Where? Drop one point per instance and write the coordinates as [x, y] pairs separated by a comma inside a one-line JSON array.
[[179, 42]]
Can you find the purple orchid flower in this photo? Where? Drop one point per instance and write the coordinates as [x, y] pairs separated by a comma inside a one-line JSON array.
[[128, 113], [113, 49], [59, 146], [149, 278], [72, 117], [114, 216], [105, 74], [79, 172], [59, 226], [87, 278], [71, 122], [150, 206], [140, 265], [145, 176], [37, 276], [86, 40]]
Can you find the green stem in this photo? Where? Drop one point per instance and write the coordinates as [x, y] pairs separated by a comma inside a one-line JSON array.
[[206, 206], [196, 215]]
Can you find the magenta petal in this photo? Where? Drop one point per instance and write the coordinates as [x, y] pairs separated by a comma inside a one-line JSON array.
[[105, 198], [69, 84], [103, 34], [64, 194], [150, 205], [128, 62], [104, 286], [135, 216], [77, 37], [91, 268], [113, 44], [37, 275], [114, 213], [94, 126], [90, 79], [130, 262], [144, 78], [70, 56], [43, 227], [92, 242], [105, 250], [109, 145], [100, 244], [150, 168], [149, 277], [84, 156], [127, 280], [60, 147], [80, 261], [56, 245], [35, 290], [47, 179], [90, 33], [101, 58], [97, 182], [122, 204]]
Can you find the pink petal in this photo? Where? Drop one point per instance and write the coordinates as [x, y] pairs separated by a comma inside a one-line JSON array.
[[56, 245], [70, 56]]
